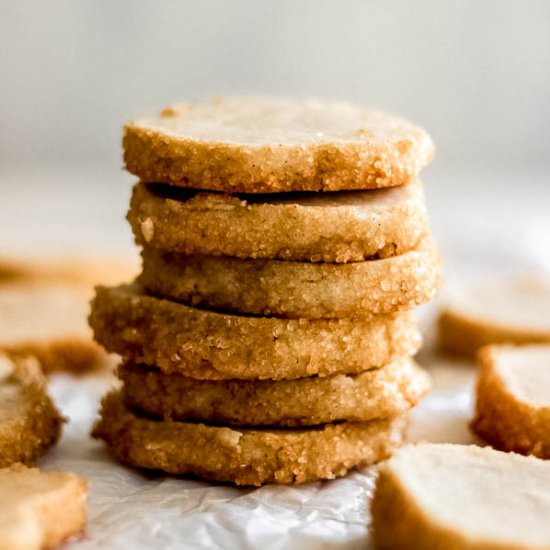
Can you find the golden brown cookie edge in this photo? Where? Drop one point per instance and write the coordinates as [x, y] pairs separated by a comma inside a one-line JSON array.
[[244, 457]]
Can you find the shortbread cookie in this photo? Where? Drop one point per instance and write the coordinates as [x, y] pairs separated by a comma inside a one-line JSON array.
[[40, 509], [513, 398], [43, 310], [329, 227], [245, 456], [270, 145], [379, 393], [48, 320], [495, 311], [461, 497], [29, 422], [209, 345], [295, 289], [71, 270], [76, 356]]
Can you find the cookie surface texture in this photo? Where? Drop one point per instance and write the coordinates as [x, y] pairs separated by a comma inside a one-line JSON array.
[[208, 345], [296, 289], [380, 393], [40, 509], [329, 227], [497, 310], [29, 422], [271, 145], [513, 398], [425, 496], [245, 456]]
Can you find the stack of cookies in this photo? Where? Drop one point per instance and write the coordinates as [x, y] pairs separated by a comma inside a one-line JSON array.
[[268, 338]]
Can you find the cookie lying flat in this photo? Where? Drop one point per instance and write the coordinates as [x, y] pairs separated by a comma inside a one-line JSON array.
[[330, 227], [245, 456], [461, 497], [29, 422], [499, 310], [40, 509], [268, 145], [209, 345], [295, 289], [513, 398], [43, 308], [380, 393], [71, 270], [48, 320]]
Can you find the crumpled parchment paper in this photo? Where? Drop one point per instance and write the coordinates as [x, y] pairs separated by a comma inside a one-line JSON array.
[[128, 509]]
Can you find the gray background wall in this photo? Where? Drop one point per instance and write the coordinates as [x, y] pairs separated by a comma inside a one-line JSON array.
[[475, 73]]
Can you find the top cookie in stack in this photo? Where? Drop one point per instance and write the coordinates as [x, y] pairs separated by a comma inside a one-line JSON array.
[[268, 145], [283, 243]]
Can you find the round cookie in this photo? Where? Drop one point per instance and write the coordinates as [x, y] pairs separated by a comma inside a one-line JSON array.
[[295, 289], [512, 410], [40, 509], [47, 319], [29, 422], [43, 309], [313, 227], [74, 271], [76, 356], [496, 310], [380, 393], [273, 145], [460, 497], [245, 456], [209, 345]]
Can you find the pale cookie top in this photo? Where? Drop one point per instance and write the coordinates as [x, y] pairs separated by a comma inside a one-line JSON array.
[[41, 312], [21, 486], [518, 303], [262, 144], [30, 500], [482, 494], [525, 371]]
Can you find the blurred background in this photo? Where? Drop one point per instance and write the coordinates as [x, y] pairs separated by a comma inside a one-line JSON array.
[[475, 74]]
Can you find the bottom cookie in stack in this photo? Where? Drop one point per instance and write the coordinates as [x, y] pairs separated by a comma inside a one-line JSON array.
[[290, 431], [245, 456]]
